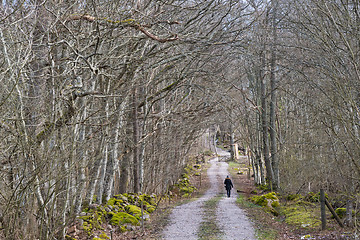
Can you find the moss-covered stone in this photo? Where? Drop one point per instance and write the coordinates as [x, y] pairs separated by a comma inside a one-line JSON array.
[[122, 210], [122, 218], [150, 208], [102, 236], [187, 189], [275, 204], [133, 210], [259, 200], [269, 201]]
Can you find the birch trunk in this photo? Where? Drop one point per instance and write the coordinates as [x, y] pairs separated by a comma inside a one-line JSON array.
[[115, 157]]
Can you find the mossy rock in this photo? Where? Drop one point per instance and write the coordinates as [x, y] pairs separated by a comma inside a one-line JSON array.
[[183, 182], [264, 199], [150, 208], [269, 201], [185, 176], [271, 195], [275, 204], [121, 218], [151, 199], [93, 221], [259, 200], [87, 228], [187, 189], [135, 211], [102, 236], [186, 195], [115, 202], [129, 197], [132, 209]]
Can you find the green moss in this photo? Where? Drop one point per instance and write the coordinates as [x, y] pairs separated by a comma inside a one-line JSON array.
[[187, 189], [293, 197], [275, 204], [186, 195], [123, 229], [271, 195], [314, 197], [87, 228], [122, 218], [259, 200], [102, 236], [185, 175], [268, 201], [263, 187], [133, 210], [115, 202], [151, 199], [305, 203], [341, 212], [298, 216], [150, 208]]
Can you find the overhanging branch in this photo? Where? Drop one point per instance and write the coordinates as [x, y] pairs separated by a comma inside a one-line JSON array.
[[130, 23]]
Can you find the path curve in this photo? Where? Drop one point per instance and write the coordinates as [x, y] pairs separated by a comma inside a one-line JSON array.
[[186, 219]]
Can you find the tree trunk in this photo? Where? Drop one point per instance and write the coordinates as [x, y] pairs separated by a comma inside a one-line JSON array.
[[274, 154], [135, 122]]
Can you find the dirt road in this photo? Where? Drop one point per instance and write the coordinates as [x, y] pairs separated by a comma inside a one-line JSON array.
[[187, 220]]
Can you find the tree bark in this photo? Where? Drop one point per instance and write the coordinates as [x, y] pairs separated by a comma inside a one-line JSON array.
[[274, 154], [135, 122]]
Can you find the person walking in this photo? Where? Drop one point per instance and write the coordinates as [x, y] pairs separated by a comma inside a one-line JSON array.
[[228, 185]]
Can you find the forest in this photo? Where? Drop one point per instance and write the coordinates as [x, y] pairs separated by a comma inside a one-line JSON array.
[[99, 98]]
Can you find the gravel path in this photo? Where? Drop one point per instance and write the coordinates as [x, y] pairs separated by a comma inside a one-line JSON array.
[[186, 219]]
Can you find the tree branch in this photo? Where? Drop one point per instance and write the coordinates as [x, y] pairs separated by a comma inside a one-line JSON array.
[[130, 23]]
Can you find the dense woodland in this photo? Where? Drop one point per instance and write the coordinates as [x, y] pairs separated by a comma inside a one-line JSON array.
[[105, 97]]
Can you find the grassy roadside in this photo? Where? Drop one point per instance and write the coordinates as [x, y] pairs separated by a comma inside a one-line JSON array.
[[298, 216], [263, 221]]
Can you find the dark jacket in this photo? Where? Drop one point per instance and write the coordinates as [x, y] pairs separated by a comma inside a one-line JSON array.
[[228, 184]]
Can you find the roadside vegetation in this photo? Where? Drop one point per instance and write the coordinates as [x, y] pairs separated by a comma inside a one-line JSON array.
[[283, 215]]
